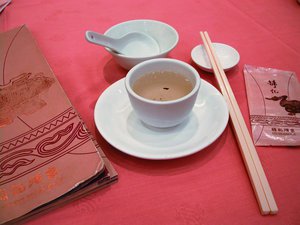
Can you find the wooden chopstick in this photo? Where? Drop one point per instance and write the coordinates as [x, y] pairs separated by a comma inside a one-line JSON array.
[[253, 165]]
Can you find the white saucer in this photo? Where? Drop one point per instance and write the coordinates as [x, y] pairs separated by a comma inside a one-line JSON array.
[[119, 126], [228, 56]]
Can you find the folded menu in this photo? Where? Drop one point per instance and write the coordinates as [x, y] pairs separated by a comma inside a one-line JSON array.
[[47, 155]]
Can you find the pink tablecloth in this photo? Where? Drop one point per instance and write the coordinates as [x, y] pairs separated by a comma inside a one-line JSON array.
[[211, 186]]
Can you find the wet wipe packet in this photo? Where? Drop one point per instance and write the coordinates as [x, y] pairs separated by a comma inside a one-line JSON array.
[[274, 106]]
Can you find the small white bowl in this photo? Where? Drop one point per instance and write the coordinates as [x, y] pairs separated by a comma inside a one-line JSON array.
[[165, 35], [162, 114], [228, 56]]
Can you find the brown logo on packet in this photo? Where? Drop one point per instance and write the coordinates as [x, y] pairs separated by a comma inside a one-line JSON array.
[[291, 106], [22, 96]]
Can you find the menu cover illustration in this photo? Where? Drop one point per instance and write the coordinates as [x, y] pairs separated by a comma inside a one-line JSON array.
[[274, 105], [46, 153]]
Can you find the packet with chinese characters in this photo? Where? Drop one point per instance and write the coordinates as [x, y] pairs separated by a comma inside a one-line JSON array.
[[274, 105]]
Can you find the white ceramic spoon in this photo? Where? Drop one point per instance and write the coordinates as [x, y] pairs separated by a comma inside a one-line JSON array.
[[133, 44]]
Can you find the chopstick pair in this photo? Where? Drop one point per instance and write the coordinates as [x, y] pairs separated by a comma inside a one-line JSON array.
[[253, 165]]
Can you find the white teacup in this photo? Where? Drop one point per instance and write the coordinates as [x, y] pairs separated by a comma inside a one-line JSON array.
[[163, 113]]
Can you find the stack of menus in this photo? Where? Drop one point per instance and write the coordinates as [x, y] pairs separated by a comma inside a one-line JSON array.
[[47, 155]]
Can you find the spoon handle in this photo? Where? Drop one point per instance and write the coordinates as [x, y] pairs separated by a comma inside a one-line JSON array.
[[100, 39]]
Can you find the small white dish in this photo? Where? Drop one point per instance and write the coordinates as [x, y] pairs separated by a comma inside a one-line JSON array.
[[119, 126], [228, 56]]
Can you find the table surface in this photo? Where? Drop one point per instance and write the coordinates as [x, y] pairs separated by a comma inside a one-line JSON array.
[[211, 186]]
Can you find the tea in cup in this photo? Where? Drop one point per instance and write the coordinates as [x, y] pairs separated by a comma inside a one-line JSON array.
[[162, 91]]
